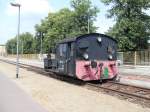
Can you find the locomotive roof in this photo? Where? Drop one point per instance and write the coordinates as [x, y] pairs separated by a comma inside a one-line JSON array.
[[74, 39]]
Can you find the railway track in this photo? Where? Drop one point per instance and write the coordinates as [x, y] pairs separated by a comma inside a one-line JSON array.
[[133, 94]]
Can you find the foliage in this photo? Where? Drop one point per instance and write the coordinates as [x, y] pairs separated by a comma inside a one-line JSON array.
[[132, 24], [11, 46], [26, 41], [67, 23], [25, 44], [83, 10]]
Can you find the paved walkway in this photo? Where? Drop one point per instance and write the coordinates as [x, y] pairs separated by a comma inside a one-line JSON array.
[[13, 99]]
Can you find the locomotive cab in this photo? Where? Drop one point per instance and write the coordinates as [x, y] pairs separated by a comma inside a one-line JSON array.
[[64, 62]]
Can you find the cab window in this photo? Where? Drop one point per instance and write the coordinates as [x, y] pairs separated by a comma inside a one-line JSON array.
[[62, 50]]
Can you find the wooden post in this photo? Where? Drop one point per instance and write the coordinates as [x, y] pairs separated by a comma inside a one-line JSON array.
[[135, 58]]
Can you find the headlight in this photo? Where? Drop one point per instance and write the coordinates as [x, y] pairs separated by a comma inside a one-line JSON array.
[[99, 39], [110, 56], [85, 55]]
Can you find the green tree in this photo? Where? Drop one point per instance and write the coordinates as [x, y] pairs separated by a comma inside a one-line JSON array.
[[66, 23], [25, 44], [83, 11], [11, 46], [132, 24], [26, 41], [55, 27]]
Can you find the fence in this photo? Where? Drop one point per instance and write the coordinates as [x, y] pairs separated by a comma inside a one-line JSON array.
[[29, 56], [135, 57], [130, 57], [25, 56]]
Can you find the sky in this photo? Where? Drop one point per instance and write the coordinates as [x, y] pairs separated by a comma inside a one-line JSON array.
[[32, 11]]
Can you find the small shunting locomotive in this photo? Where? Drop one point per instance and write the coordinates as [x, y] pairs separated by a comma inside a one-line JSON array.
[[87, 57]]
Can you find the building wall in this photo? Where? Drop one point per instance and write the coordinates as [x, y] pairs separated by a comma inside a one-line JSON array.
[[3, 50]]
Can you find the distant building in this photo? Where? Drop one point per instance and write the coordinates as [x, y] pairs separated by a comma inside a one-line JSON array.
[[3, 50]]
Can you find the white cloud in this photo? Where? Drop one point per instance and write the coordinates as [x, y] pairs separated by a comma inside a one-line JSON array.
[[30, 7], [103, 24], [148, 11]]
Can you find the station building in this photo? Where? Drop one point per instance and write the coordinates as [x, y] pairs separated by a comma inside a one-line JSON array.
[[3, 50]]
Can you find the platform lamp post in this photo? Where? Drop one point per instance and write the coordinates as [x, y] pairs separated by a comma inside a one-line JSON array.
[[17, 63]]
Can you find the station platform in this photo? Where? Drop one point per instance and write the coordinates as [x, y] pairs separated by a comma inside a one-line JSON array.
[[129, 74], [32, 62], [13, 99], [135, 75], [135, 70]]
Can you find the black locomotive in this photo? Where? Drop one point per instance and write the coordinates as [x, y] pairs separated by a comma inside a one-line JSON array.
[[87, 57]]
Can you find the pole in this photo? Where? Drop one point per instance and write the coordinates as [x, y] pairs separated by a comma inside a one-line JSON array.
[[17, 64], [41, 35], [22, 48], [88, 19], [41, 42], [12, 52], [135, 58], [17, 60]]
